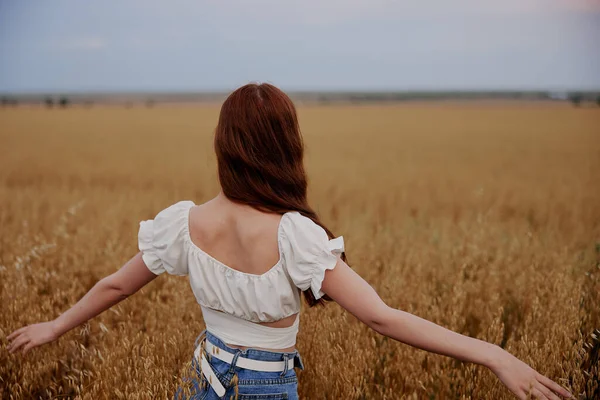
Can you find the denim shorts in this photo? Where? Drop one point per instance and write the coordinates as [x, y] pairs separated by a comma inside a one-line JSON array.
[[249, 384]]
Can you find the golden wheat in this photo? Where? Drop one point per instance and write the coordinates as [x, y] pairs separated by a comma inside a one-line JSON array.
[[484, 218]]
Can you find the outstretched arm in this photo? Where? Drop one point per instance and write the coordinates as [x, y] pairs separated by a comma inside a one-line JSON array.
[[354, 294], [105, 294]]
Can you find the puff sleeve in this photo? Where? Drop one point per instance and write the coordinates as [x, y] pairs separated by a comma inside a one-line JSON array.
[[162, 240], [307, 251]]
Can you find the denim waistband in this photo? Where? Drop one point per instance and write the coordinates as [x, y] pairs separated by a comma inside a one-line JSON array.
[[251, 353]]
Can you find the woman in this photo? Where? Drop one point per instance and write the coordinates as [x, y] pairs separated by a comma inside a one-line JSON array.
[[249, 252]]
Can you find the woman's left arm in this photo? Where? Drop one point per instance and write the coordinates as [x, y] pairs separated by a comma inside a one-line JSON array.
[[354, 294], [106, 293]]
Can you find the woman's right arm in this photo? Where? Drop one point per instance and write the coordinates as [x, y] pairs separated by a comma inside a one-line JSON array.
[[105, 293], [354, 294]]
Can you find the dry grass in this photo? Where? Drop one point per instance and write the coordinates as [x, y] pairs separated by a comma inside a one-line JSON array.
[[482, 218]]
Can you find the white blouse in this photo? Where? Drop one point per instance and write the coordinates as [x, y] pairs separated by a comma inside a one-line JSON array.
[[233, 301]]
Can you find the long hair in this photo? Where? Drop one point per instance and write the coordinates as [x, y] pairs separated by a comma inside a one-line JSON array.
[[260, 153]]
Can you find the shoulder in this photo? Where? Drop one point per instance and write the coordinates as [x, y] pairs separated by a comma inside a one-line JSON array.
[[162, 240], [308, 252], [181, 207], [169, 222], [302, 236], [297, 225]]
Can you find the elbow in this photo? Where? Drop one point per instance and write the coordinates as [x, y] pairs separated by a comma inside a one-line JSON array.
[[110, 284], [379, 320]]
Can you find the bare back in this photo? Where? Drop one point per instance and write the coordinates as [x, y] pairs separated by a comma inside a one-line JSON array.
[[239, 237]]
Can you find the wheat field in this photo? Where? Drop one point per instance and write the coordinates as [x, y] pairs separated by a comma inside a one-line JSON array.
[[481, 217]]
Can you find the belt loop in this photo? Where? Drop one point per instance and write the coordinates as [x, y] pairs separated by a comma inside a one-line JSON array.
[[298, 363], [285, 367], [199, 338], [234, 361]]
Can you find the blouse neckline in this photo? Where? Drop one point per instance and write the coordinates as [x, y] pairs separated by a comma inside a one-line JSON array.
[[188, 237]]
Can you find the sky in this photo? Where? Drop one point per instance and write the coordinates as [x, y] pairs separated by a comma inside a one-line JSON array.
[[384, 45]]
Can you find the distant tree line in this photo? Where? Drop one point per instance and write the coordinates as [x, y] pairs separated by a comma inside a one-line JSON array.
[[63, 102], [9, 101], [576, 98]]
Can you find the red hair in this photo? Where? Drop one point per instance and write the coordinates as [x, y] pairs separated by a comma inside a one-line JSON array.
[[260, 154]]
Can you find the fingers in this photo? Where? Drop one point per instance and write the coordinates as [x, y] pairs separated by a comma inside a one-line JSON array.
[[14, 338], [28, 346], [549, 383], [547, 392], [20, 341], [537, 394], [16, 333]]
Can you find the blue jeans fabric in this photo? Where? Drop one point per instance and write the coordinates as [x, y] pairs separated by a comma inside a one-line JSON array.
[[251, 385]]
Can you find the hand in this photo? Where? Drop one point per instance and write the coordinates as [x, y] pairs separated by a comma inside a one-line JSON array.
[[523, 380], [31, 336]]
